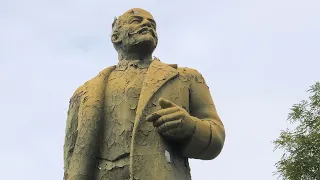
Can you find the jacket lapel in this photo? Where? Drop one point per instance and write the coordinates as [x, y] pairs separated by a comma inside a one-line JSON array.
[[157, 75]]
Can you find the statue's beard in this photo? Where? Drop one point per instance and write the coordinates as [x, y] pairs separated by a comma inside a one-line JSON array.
[[138, 50], [142, 47], [138, 44]]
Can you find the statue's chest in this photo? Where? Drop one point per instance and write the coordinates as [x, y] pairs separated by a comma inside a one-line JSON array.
[[121, 99], [123, 89]]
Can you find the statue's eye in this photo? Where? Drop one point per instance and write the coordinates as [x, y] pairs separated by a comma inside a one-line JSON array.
[[134, 21]]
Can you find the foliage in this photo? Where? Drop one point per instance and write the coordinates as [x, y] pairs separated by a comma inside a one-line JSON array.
[[301, 145]]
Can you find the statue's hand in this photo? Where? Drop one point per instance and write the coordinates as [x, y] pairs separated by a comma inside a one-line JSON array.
[[172, 121]]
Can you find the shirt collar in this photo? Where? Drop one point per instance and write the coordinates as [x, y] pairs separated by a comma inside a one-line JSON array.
[[124, 64]]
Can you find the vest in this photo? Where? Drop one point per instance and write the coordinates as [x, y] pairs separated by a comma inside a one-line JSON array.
[[121, 98]]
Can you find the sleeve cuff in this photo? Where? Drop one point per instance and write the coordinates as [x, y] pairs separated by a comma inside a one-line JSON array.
[[199, 141], [216, 143]]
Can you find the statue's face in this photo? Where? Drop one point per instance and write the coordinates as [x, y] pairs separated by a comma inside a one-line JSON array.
[[136, 31]]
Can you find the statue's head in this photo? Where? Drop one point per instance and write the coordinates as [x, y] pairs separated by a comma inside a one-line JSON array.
[[134, 32]]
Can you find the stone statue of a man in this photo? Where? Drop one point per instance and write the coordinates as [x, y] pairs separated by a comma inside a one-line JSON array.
[[140, 119]]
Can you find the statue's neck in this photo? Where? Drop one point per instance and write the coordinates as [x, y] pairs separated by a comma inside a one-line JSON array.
[[137, 61], [127, 57]]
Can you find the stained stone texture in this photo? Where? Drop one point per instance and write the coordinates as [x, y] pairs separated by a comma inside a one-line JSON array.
[[142, 118]]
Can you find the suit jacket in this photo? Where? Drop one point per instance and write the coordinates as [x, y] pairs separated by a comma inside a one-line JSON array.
[[151, 156]]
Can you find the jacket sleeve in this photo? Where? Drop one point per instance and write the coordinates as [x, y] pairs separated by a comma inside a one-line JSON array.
[[208, 138], [71, 130]]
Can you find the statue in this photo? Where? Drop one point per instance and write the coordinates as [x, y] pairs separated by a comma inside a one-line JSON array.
[[140, 119]]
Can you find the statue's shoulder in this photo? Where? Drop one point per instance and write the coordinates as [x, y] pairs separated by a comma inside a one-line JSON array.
[[82, 88], [190, 74], [183, 71], [186, 70]]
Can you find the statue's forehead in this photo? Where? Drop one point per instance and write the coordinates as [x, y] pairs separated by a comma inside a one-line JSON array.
[[138, 12]]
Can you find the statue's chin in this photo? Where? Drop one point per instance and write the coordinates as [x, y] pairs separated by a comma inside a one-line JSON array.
[[145, 46]]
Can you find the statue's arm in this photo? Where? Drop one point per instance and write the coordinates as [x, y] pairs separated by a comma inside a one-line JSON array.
[[208, 138], [71, 129]]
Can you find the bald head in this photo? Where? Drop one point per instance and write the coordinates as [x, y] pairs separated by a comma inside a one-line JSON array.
[[134, 12]]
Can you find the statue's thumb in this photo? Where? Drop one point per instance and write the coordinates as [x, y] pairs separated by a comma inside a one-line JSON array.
[[164, 103]]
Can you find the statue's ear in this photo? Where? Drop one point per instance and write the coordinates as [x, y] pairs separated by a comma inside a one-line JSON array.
[[115, 38]]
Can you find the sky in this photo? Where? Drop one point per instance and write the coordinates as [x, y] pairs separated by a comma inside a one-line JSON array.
[[258, 58]]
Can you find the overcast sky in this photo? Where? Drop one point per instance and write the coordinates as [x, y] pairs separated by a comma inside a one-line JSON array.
[[257, 56]]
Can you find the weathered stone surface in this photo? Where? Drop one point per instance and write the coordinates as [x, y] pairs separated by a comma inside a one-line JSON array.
[[140, 119]]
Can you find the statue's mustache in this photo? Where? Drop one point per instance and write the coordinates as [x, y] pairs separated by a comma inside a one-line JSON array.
[[139, 31]]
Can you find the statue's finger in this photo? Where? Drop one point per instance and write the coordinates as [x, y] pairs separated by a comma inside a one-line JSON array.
[[163, 112], [154, 116], [167, 118], [164, 103], [169, 125]]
